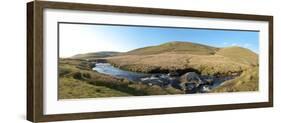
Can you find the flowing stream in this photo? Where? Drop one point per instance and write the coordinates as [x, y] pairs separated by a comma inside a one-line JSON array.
[[108, 69], [160, 79]]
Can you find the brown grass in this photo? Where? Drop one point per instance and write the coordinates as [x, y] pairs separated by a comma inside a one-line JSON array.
[[82, 83], [247, 81], [206, 64]]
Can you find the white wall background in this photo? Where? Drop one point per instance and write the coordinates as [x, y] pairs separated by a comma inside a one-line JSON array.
[[13, 61]]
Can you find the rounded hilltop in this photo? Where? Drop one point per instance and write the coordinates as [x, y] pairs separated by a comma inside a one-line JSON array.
[[175, 46]]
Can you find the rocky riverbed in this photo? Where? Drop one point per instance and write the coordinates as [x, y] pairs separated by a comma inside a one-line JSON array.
[[189, 82]]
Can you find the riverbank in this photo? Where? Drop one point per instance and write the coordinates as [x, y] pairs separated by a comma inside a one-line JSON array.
[[189, 82], [247, 81], [78, 81]]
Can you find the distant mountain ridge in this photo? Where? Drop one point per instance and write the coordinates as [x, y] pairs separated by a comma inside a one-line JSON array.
[[176, 47], [101, 54]]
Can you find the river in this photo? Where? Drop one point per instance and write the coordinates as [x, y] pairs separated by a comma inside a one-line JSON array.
[[160, 79]]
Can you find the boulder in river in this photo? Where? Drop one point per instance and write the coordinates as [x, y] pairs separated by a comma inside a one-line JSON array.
[[191, 77], [189, 87], [204, 88], [190, 82]]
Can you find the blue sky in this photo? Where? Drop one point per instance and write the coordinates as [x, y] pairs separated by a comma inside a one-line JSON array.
[[83, 38]]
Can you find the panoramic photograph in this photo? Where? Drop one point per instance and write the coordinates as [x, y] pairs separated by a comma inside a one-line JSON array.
[[104, 60]]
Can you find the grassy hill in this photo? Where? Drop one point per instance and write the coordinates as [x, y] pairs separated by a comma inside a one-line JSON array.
[[176, 46], [186, 56], [239, 54]]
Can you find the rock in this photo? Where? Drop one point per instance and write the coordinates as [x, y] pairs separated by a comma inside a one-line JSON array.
[[86, 65], [163, 76], [92, 64], [204, 88], [173, 74], [191, 77], [234, 74], [155, 75], [189, 88], [99, 60], [77, 75], [209, 81], [176, 85], [190, 82]]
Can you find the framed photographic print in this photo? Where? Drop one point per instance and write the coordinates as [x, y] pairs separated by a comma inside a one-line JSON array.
[[96, 61]]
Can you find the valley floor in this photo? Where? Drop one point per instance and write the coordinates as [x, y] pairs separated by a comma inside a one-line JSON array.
[[78, 80]]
